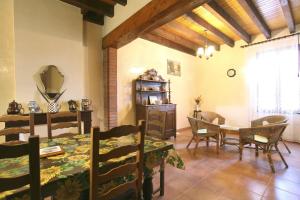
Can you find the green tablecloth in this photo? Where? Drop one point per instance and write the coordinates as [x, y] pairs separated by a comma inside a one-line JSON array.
[[66, 176]]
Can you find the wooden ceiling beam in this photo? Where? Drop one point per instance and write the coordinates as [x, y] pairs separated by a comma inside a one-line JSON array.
[[194, 17], [256, 17], [95, 6], [153, 15], [168, 43], [183, 30], [122, 2], [219, 12], [93, 17], [163, 32], [288, 14]]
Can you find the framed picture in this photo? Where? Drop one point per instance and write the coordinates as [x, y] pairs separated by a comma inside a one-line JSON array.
[[152, 100], [173, 68]]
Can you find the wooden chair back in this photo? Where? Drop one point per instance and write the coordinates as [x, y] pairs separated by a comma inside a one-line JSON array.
[[272, 119], [18, 149], [272, 132], [211, 116], [98, 177], [28, 119], [156, 123], [53, 124]]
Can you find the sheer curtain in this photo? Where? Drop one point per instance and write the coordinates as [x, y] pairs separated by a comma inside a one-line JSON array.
[[273, 74]]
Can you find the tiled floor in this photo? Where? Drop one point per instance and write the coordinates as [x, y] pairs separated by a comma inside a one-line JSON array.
[[209, 176]]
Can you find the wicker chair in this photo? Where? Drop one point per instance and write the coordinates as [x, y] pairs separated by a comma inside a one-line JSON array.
[[265, 138], [272, 119], [203, 130], [211, 117]]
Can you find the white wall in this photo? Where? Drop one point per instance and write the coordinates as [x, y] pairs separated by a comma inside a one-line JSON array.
[[48, 33], [142, 54]]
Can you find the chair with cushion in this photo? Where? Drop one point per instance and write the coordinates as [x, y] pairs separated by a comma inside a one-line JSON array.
[[12, 133], [203, 130], [272, 119], [99, 178], [14, 149], [265, 138], [63, 120]]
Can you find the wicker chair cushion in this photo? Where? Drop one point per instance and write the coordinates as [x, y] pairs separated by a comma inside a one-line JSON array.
[[202, 131], [261, 139]]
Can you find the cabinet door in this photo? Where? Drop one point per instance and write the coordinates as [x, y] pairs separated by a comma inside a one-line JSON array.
[[171, 121]]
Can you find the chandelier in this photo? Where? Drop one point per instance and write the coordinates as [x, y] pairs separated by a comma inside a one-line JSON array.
[[207, 50]]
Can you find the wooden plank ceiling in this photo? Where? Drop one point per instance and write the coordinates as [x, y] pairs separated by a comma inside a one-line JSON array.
[[226, 21], [95, 10]]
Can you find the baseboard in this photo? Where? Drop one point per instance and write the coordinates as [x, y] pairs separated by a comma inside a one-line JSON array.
[[183, 129]]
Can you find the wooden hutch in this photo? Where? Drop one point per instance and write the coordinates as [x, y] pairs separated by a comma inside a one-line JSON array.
[[153, 92]]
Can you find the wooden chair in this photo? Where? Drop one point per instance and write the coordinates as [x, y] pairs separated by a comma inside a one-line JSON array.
[[203, 130], [272, 119], [156, 123], [15, 131], [61, 120], [264, 137], [98, 177], [18, 149]]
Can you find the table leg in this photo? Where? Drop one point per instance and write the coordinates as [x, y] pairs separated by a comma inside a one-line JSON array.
[[162, 178], [148, 187]]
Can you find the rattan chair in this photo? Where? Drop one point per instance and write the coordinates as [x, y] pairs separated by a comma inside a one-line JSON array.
[[203, 130], [98, 177], [15, 149], [272, 119], [265, 138], [16, 131], [63, 120]]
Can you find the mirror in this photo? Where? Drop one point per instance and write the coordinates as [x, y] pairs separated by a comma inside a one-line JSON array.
[[52, 80]]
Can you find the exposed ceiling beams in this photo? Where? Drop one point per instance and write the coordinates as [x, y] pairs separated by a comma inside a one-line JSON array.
[[211, 28], [122, 2], [168, 43], [189, 33], [155, 14], [254, 14], [287, 12], [218, 11], [93, 17]]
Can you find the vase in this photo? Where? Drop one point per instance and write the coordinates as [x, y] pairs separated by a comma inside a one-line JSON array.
[[197, 107], [53, 107]]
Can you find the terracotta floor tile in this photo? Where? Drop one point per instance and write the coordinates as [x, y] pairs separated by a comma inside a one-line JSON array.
[[223, 177]]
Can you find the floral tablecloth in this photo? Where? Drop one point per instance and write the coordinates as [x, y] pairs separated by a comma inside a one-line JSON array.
[[66, 176]]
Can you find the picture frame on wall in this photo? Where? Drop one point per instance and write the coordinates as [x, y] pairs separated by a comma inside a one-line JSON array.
[[173, 68], [152, 100]]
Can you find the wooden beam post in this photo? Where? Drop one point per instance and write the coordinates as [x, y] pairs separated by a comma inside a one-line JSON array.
[[110, 87], [219, 12], [168, 43], [194, 17], [254, 14], [155, 14], [288, 14]]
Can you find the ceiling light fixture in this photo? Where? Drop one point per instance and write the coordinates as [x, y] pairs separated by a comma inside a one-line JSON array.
[[207, 51]]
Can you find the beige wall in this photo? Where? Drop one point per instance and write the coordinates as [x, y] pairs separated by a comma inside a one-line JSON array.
[[142, 55], [7, 54]]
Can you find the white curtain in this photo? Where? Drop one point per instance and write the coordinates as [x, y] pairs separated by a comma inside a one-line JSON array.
[[273, 74]]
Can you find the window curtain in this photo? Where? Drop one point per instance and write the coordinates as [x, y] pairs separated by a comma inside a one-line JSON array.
[[274, 83]]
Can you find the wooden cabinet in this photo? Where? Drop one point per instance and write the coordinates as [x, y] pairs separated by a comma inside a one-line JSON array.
[[151, 86]]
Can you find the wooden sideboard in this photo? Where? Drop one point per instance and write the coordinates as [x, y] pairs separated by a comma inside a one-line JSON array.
[[41, 118], [170, 109]]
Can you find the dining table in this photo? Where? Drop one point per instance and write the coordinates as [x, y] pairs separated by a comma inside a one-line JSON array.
[[66, 176]]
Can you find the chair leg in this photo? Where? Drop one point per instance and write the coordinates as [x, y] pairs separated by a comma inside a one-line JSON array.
[[218, 144], [256, 150], [207, 141], [287, 148], [162, 179], [241, 151], [282, 158], [187, 146], [270, 159]]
